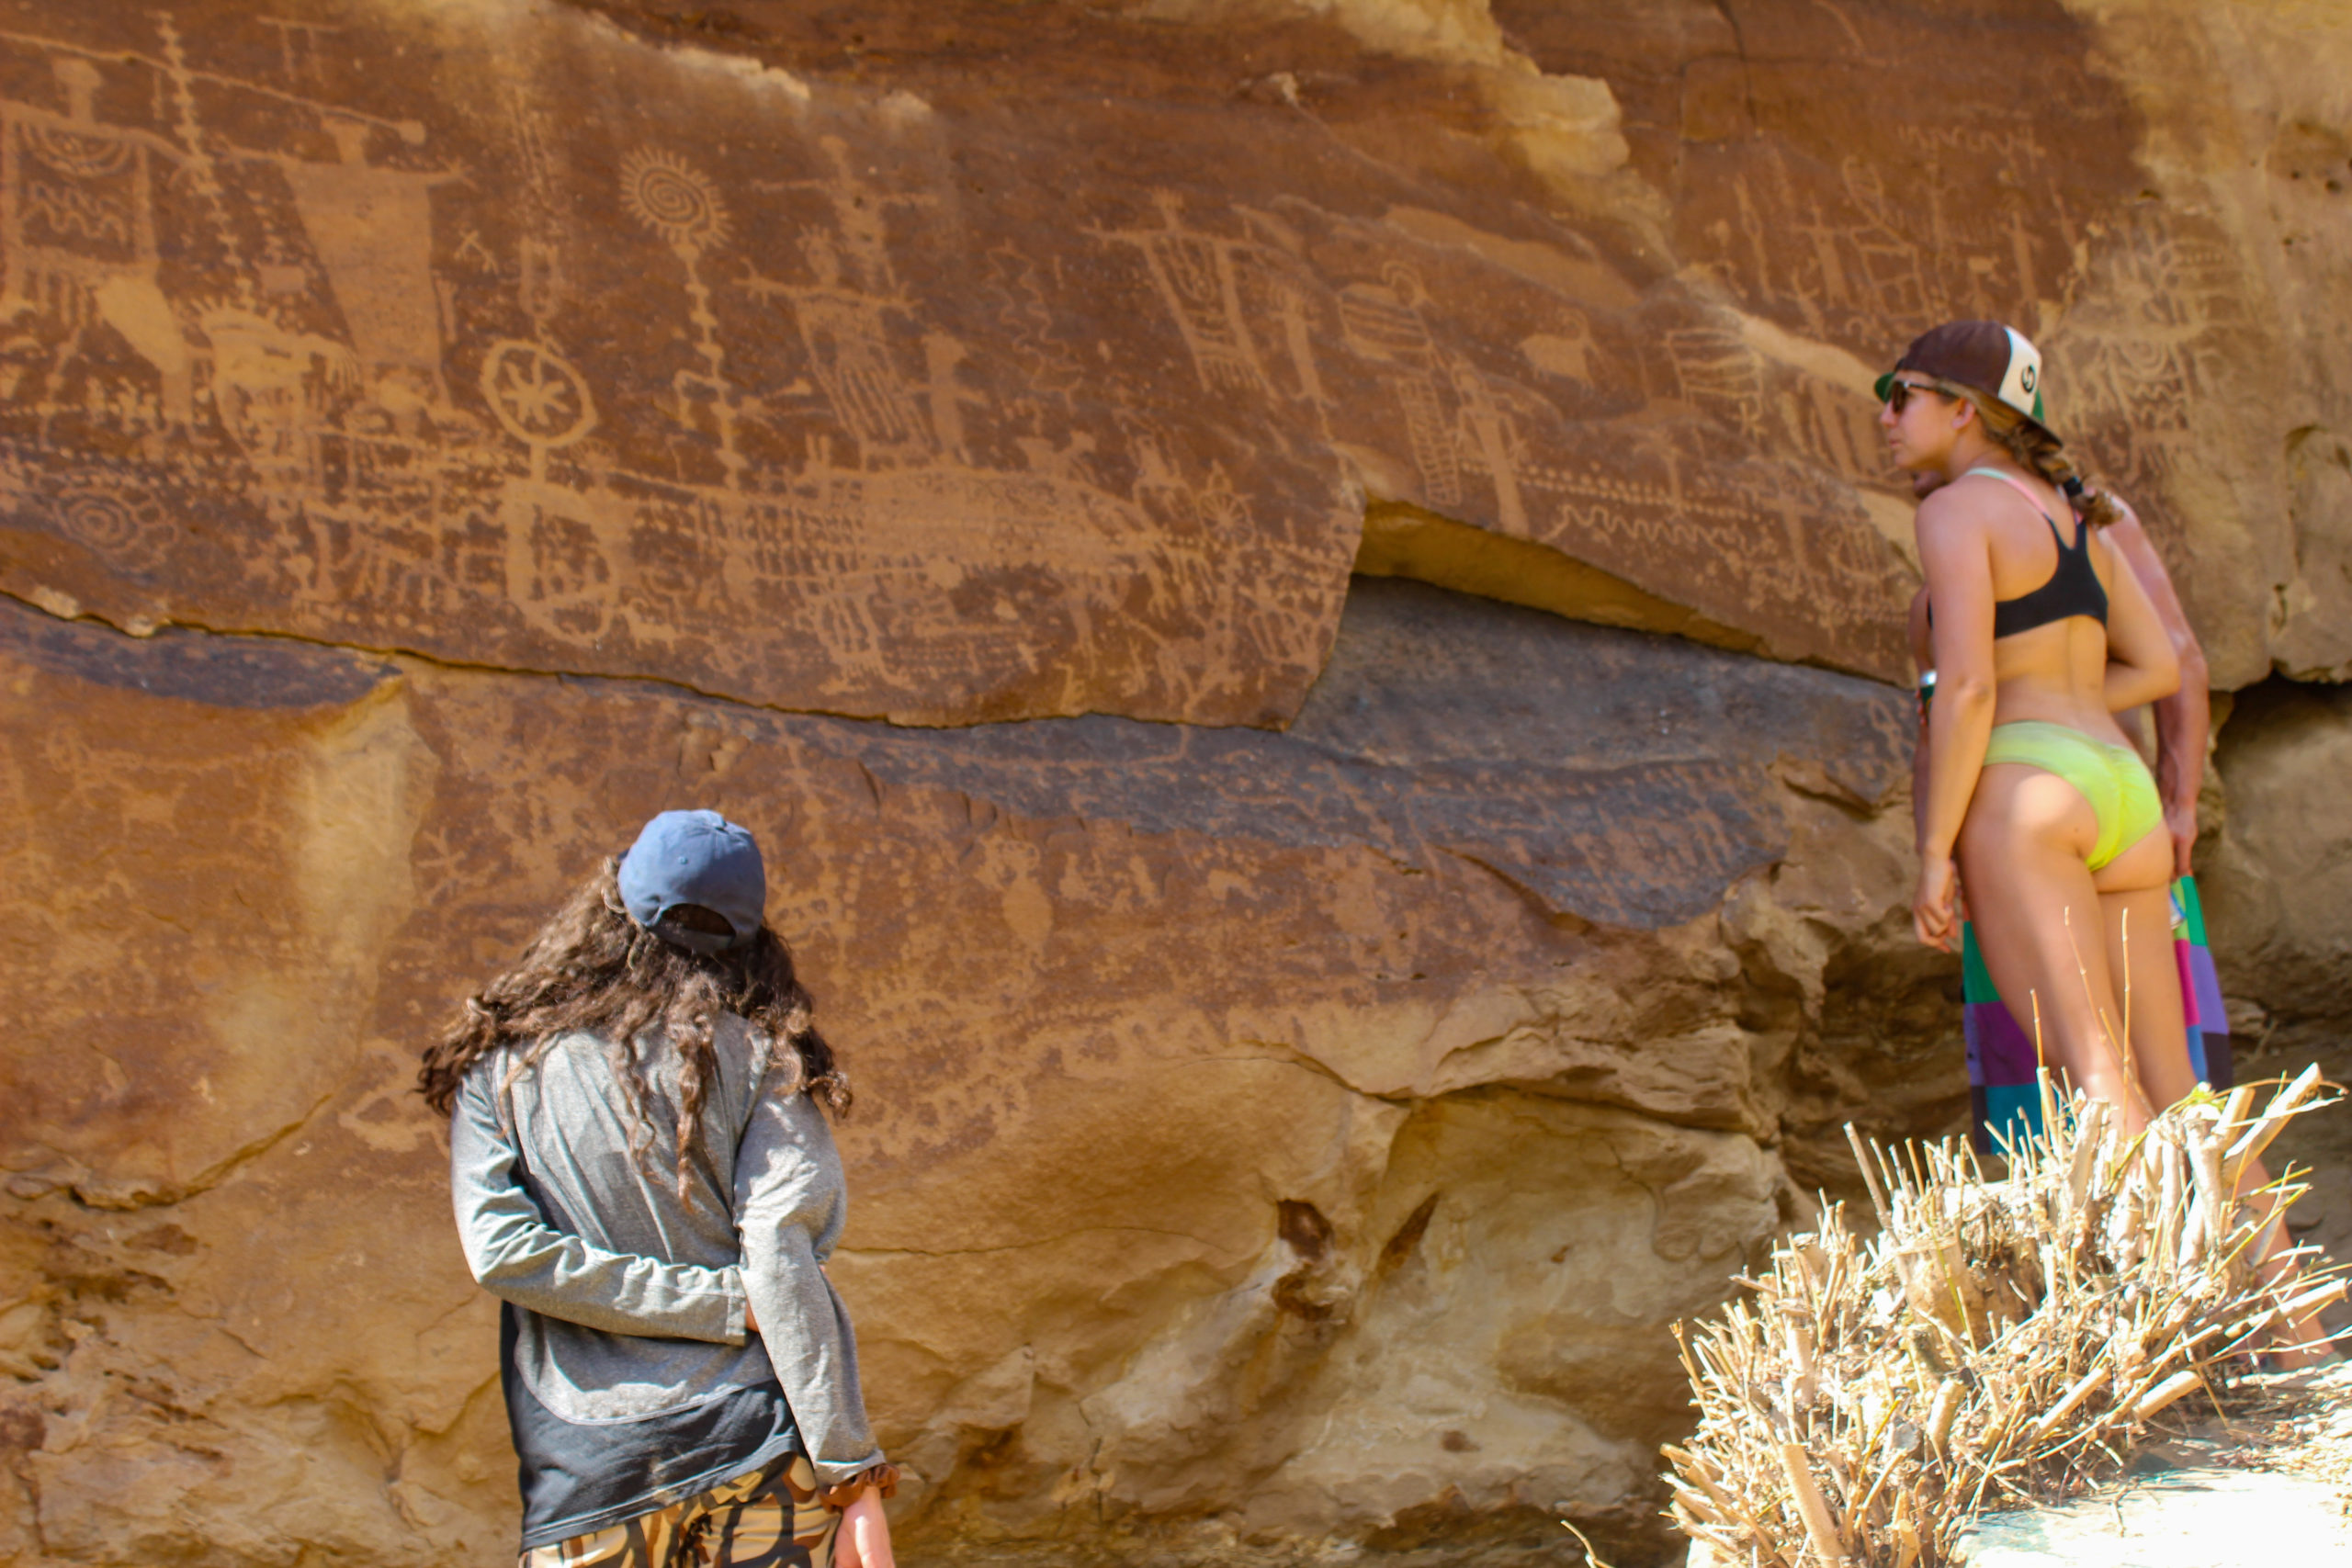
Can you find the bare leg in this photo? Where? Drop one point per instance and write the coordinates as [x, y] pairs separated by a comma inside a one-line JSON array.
[[2137, 883], [2135, 913], [2305, 1339], [2022, 855]]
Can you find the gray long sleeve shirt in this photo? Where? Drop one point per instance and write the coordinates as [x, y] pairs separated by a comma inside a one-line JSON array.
[[630, 1379]]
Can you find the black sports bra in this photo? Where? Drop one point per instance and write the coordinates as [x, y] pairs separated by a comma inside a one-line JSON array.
[[2073, 589]]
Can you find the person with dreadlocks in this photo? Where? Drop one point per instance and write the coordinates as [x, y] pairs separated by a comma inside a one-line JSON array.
[[643, 1173]]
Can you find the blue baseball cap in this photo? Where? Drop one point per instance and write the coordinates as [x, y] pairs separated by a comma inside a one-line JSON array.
[[696, 857]]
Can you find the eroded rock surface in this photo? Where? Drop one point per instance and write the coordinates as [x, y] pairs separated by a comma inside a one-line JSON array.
[[2282, 867], [1245, 1134], [1315, 1031]]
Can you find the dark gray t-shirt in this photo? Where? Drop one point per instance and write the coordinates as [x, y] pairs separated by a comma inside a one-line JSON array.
[[630, 1381]]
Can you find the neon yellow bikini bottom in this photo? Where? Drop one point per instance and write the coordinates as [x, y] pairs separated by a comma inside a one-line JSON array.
[[2112, 778]]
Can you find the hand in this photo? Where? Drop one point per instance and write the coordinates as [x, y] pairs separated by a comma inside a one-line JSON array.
[[864, 1538], [2180, 821], [1935, 914], [750, 1317]]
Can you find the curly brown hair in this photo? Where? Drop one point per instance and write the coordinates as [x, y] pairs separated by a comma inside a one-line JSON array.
[[592, 969]]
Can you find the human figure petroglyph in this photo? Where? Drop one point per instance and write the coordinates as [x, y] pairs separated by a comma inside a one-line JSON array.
[[1456, 419], [1493, 437], [302, 48], [843, 330], [1198, 278], [850, 317], [372, 227], [1382, 322], [78, 237], [2142, 356], [861, 215]]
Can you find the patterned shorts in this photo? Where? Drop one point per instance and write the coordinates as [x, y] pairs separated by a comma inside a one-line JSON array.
[[770, 1518]]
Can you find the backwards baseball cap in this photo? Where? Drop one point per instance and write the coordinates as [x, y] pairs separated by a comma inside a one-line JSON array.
[[1983, 357], [695, 857]]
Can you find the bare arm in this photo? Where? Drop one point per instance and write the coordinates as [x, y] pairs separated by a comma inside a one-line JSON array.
[[2140, 664], [2185, 719], [1923, 663], [1958, 562]]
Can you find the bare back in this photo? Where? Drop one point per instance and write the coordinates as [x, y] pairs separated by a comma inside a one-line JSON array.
[[1994, 546]]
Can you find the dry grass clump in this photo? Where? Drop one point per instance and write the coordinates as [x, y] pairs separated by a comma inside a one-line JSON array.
[[2008, 1336]]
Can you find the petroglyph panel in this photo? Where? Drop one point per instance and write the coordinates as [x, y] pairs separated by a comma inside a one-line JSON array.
[[302, 343], [1850, 211], [852, 392], [888, 408]]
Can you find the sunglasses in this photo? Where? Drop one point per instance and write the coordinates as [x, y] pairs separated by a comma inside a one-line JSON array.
[[1898, 394]]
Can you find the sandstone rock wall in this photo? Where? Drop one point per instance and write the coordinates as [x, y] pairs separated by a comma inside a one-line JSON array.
[[1315, 1031]]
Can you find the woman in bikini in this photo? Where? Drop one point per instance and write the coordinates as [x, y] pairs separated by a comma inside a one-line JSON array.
[[2034, 796], [2034, 793]]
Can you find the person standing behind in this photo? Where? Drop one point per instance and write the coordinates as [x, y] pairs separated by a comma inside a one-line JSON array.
[[642, 1169]]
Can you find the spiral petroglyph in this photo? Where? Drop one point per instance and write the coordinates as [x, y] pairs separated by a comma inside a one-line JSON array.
[[674, 199], [106, 522]]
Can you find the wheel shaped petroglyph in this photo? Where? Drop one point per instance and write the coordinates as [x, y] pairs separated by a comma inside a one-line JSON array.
[[535, 394], [673, 198]]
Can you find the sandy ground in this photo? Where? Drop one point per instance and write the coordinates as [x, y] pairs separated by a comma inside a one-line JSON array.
[[2268, 1483]]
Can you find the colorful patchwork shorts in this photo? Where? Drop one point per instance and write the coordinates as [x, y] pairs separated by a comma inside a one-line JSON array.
[[2001, 1057], [770, 1518]]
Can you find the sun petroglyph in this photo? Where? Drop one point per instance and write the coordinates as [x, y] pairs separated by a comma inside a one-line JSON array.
[[673, 199]]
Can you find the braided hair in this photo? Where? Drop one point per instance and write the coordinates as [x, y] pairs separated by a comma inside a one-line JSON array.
[[2037, 452]]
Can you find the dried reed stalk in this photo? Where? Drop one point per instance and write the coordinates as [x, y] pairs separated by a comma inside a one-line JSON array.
[[1996, 1337]]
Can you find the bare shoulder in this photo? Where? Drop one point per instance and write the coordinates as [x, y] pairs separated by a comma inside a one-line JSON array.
[[1957, 511]]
